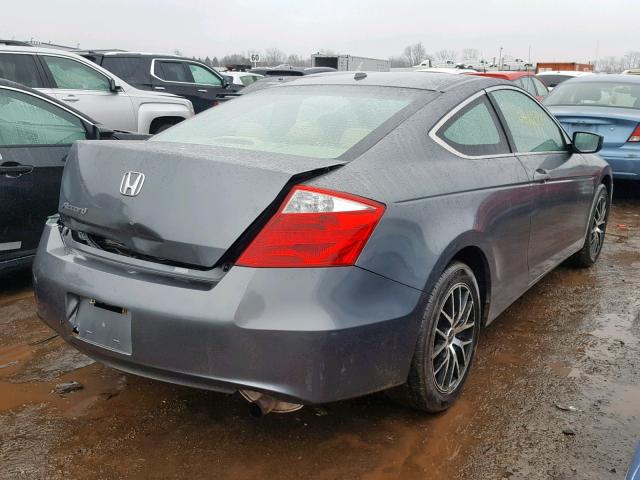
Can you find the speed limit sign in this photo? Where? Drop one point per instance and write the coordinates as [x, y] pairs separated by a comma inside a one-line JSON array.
[[255, 58]]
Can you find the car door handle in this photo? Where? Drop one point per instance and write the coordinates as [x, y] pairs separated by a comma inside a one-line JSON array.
[[15, 171], [70, 98], [159, 88], [202, 90], [541, 175]]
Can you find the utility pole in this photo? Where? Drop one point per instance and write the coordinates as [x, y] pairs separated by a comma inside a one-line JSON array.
[[500, 59]]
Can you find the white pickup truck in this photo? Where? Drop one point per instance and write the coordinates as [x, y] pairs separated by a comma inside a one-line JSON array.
[[92, 90]]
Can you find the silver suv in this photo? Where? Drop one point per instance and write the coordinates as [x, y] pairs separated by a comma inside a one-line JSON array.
[[91, 89]]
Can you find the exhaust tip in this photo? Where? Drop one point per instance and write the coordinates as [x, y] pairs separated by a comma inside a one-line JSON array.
[[261, 404], [255, 411]]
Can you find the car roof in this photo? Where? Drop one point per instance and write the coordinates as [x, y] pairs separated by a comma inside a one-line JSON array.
[[35, 49], [24, 88], [433, 81], [609, 78], [507, 75]]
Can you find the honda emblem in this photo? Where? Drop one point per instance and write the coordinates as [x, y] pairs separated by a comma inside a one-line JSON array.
[[131, 183]]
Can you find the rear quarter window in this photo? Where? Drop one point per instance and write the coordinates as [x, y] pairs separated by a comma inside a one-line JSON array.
[[130, 69], [20, 69], [475, 131]]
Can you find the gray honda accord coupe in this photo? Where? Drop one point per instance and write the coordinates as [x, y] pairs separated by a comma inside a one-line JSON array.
[[321, 239]]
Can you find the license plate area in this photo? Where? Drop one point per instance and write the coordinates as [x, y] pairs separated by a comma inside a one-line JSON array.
[[102, 324]]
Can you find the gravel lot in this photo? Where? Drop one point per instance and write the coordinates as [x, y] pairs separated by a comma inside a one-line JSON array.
[[554, 393]]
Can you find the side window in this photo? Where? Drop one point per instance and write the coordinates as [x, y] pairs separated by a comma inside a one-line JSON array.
[[130, 69], [203, 76], [531, 127], [540, 88], [73, 75], [29, 120], [172, 71], [21, 69], [475, 130]]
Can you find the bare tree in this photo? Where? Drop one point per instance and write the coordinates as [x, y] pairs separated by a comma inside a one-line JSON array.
[[470, 54], [415, 53], [445, 55], [610, 64], [273, 56], [399, 61], [631, 60], [235, 59]]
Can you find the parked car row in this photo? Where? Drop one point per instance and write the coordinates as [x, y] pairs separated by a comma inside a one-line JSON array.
[[92, 89]]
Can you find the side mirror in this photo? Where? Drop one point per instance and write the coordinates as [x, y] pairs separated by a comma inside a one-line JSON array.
[[585, 142], [114, 86], [228, 80], [100, 132]]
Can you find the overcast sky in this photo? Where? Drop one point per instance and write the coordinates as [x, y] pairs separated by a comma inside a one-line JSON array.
[[572, 30]]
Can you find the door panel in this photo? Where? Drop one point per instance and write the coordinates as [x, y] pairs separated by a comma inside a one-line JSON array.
[[562, 187], [564, 191], [29, 198], [35, 137]]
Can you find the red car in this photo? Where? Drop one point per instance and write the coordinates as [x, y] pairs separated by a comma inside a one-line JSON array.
[[527, 80]]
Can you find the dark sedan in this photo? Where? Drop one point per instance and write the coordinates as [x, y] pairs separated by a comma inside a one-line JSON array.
[[36, 133], [322, 239]]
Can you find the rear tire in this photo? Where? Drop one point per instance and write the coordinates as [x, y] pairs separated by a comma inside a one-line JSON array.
[[446, 342], [594, 239]]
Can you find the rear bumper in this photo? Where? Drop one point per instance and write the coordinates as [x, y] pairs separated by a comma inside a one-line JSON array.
[[312, 335], [625, 165]]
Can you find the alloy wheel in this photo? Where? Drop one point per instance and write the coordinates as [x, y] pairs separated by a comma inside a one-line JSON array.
[[453, 338], [596, 238]]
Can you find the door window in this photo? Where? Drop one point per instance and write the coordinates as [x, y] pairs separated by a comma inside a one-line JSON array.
[[531, 128], [29, 120], [203, 76], [475, 131], [172, 72], [21, 69], [73, 75]]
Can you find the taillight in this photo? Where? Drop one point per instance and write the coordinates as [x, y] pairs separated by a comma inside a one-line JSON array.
[[215, 103], [635, 136], [314, 228]]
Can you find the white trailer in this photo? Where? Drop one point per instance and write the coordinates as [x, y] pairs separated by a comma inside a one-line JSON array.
[[346, 63]]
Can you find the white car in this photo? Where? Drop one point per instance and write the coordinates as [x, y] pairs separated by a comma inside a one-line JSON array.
[[242, 78], [92, 90], [553, 78]]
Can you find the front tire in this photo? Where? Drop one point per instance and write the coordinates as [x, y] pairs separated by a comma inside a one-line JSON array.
[[594, 239], [446, 342]]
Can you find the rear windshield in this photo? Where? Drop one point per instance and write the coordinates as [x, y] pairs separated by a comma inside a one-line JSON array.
[[553, 80], [321, 121], [596, 94]]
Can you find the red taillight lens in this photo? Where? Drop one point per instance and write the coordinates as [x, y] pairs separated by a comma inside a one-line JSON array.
[[215, 103], [314, 228], [635, 136]]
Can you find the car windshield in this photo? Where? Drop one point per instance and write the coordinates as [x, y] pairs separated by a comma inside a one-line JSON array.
[[313, 121], [596, 94]]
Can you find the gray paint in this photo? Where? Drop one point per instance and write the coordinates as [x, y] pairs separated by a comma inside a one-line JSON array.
[[315, 335]]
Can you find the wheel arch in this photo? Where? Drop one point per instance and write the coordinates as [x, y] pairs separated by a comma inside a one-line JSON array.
[[470, 250]]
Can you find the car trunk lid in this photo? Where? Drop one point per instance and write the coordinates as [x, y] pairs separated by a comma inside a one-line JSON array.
[[194, 201], [615, 124]]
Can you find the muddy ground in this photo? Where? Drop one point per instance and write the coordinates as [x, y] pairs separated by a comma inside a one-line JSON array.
[[555, 393]]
